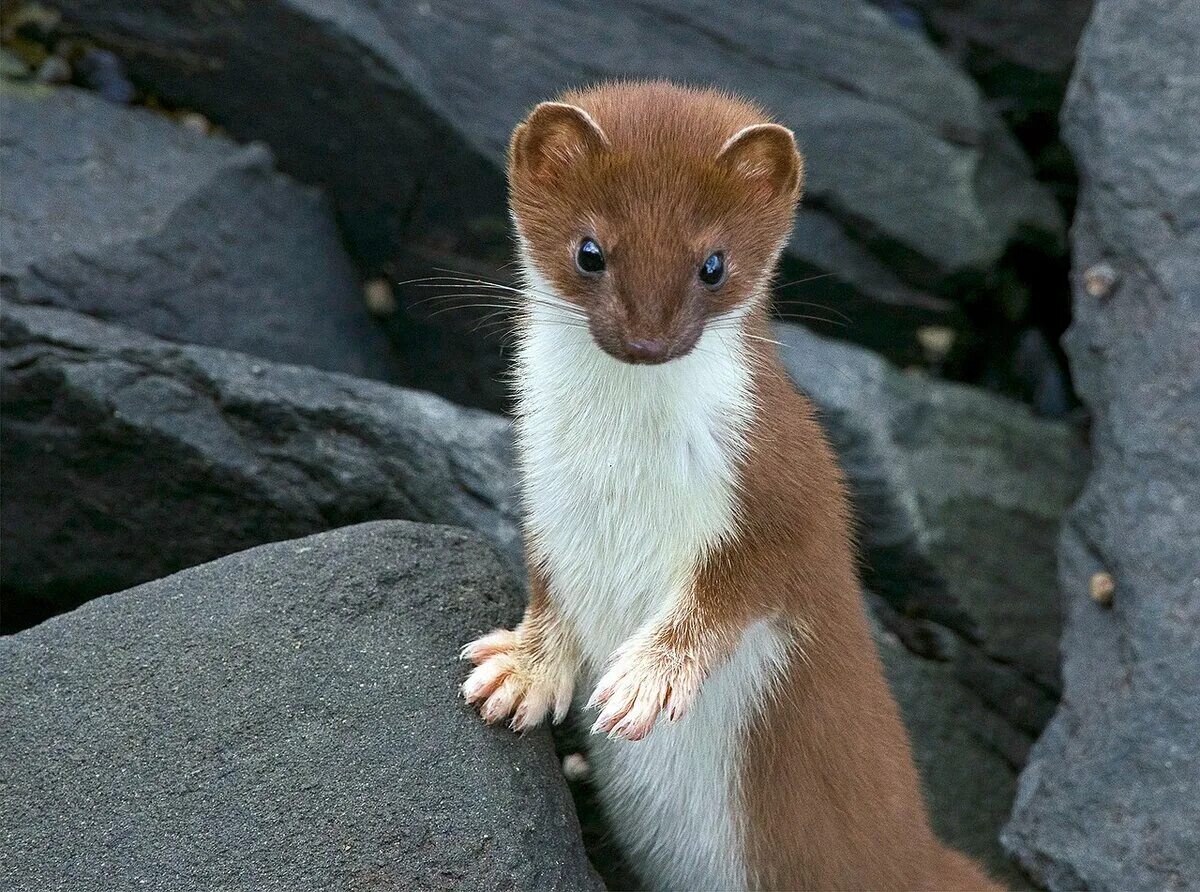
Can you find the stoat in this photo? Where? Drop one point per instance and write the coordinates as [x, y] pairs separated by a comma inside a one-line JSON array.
[[687, 530]]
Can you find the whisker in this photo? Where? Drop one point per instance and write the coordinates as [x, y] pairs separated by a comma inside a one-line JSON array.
[[844, 319], [804, 317], [460, 277], [502, 309], [471, 300], [805, 280], [529, 295]]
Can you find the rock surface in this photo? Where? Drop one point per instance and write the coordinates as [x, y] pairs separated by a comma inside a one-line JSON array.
[[127, 216], [969, 782], [416, 102], [283, 719], [1030, 35], [1111, 796], [138, 458], [959, 495]]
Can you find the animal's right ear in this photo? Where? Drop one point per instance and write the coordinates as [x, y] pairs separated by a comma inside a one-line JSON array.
[[553, 137]]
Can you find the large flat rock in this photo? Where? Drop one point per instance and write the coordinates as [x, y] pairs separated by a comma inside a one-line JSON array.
[[123, 214], [127, 458], [1111, 796], [283, 719]]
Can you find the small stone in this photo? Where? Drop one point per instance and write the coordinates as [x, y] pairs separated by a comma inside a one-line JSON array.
[[195, 122], [1099, 279], [104, 72], [936, 341], [379, 297], [575, 767], [12, 65], [54, 70], [1102, 588]]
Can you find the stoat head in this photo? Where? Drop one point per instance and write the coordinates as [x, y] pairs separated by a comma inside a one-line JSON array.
[[653, 209]]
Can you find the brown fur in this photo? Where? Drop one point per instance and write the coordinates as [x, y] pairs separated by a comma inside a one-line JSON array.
[[832, 796], [832, 799]]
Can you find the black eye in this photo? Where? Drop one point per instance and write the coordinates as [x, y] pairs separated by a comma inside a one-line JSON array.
[[589, 258], [712, 271]]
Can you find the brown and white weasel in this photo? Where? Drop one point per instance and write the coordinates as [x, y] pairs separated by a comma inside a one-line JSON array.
[[688, 535]]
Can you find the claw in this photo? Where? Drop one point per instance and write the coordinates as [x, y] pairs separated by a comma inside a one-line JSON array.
[[510, 683]]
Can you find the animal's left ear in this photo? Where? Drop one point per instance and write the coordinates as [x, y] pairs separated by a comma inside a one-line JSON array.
[[766, 155]]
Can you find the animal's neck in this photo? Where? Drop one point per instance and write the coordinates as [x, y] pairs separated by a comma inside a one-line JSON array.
[[698, 406]]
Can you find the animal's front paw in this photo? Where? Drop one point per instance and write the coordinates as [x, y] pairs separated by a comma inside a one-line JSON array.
[[644, 680], [511, 678]]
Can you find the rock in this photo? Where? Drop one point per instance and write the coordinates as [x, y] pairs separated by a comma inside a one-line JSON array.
[[286, 718], [103, 71], [54, 70], [1111, 796], [125, 215], [968, 782], [127, 458], [1022, 51], [30, 22], [959, 494], [1042, 381], [195, 122], [12, 66], [913, 183]]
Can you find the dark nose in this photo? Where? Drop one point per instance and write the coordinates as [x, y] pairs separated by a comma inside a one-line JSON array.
[[647, 350]]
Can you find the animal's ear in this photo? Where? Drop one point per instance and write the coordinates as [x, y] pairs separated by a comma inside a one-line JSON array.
[[765, 155], [554, 136]]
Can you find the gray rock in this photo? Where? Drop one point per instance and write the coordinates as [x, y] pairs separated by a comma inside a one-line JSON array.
[[127, 458], [122, 214], [1033, 35], [1111, 796], [968, 782], [416, 102], [12, 66], [283, 719], [959, 494]]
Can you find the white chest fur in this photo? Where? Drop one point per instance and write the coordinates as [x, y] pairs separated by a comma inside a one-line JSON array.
[[629, 479], [628, 472]]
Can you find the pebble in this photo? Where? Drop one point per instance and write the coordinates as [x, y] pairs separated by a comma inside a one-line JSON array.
[[104, 72], [12, 65], [936, 341], [1102, 588], [1099, 279], [379, 297], [195, 122], [54, 70], [575, 767]]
